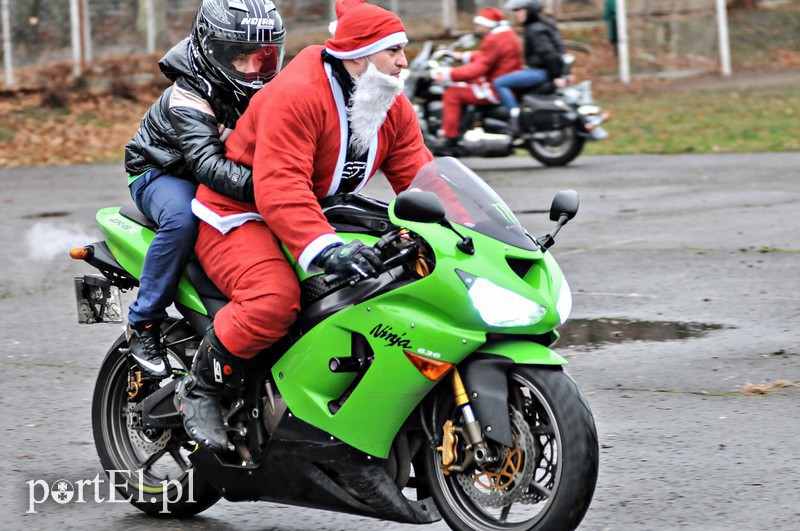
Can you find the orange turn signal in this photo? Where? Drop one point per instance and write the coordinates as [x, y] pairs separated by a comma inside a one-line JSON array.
[[431, 369], [79, 253]]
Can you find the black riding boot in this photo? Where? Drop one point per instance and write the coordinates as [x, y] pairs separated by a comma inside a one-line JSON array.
[[199, 393], [448, 147]]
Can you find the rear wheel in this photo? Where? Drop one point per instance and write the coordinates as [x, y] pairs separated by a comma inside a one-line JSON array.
[[150, 467], [546, 481], [556, 148]]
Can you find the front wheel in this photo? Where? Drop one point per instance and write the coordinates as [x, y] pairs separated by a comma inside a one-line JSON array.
[[545, 482], [149, 467], [556, 148]]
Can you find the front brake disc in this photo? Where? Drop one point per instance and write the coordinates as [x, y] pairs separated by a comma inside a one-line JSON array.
[[501, 484]]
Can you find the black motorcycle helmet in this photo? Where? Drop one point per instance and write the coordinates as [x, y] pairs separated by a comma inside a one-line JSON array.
[[533, 8], [238, 44], [531, 5]]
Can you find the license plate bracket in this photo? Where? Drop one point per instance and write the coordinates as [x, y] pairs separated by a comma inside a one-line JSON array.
[[98, 301]]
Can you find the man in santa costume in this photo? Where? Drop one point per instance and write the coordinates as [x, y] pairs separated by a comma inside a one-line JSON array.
[[499, 53], [323, 126]]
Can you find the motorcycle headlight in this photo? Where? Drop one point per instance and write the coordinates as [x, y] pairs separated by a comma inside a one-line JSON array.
[[564, 304], [502, 307]]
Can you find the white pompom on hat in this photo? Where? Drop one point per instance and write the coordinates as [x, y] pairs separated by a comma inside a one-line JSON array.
[[363, 29]]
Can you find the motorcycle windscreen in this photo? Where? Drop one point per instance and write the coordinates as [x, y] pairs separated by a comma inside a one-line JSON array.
[[470, 202]]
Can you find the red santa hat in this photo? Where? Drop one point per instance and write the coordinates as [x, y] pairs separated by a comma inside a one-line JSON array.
[[363, 29], [491, 17]]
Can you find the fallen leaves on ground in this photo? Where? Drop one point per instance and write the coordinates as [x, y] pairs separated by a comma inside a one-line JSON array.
[[765, 388]]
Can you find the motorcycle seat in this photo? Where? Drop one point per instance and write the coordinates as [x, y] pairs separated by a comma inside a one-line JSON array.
[[213, 299], [133, 214], [498, 112], [541, 89], [346, 213]]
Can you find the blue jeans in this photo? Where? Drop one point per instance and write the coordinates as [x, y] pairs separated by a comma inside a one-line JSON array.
[[165, 199], [526, 77]]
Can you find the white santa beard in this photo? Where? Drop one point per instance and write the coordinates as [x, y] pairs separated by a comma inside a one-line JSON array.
[[373, 95]]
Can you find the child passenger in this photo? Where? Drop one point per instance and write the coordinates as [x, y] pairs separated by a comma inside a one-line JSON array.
[[231, 53]]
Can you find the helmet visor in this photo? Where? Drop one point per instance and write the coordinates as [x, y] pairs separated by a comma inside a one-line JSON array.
[[249, 63]]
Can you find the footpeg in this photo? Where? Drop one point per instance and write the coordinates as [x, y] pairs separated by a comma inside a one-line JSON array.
[[240, 431]]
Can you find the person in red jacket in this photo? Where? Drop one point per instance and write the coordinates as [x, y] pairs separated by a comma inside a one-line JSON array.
[[333, 117], [500, 53]]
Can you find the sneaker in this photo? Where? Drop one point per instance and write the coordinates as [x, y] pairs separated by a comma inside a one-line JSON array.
[[147, 349], [513, 122]]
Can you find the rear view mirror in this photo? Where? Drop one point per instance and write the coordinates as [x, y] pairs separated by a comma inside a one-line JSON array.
[[565, 203], [421, 207]]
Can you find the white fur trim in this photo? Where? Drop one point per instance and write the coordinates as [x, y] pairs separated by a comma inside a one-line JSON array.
[[501, 27], [224, 224], [373, 150], [315, 247], [332, 27], [341, 108], [484, 91], [394, 39], [483, 21]]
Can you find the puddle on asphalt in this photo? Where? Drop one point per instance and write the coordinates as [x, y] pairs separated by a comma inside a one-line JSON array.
[[589, 334]]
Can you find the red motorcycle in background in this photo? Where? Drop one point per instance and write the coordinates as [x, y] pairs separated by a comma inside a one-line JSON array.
[[554, 123]]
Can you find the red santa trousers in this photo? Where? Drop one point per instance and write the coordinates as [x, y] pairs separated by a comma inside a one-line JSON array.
[[454, 98], [248, 266]]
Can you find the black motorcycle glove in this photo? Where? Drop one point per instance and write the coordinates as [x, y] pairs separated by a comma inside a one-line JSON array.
[[355, 257]]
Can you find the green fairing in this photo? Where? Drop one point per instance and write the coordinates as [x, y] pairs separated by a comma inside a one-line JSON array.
[[433, 317], [391, 388], [523, 352], [129, 241]]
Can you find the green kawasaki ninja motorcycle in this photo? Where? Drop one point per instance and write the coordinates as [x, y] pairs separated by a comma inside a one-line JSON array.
[[427, 392]]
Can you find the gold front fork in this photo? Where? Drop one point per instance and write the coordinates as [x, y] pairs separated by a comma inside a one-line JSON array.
[[477, 449]]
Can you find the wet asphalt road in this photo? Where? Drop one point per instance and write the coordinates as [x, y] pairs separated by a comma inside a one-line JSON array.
[[660, 240]]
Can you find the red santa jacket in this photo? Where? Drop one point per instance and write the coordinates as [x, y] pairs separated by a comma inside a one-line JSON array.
[[291, 135], [500, 53]]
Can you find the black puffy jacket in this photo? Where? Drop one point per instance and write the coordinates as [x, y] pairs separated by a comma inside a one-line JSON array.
[[543, 46], [183, 132]]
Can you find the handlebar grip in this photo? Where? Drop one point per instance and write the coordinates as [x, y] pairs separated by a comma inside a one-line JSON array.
[[333, 278]]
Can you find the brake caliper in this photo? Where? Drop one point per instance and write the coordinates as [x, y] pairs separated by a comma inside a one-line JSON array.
[[448, 449], [134, 385]]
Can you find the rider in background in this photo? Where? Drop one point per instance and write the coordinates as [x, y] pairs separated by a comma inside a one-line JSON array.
[[333, 117], [499, 53], [543, 55], [226, 59]]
